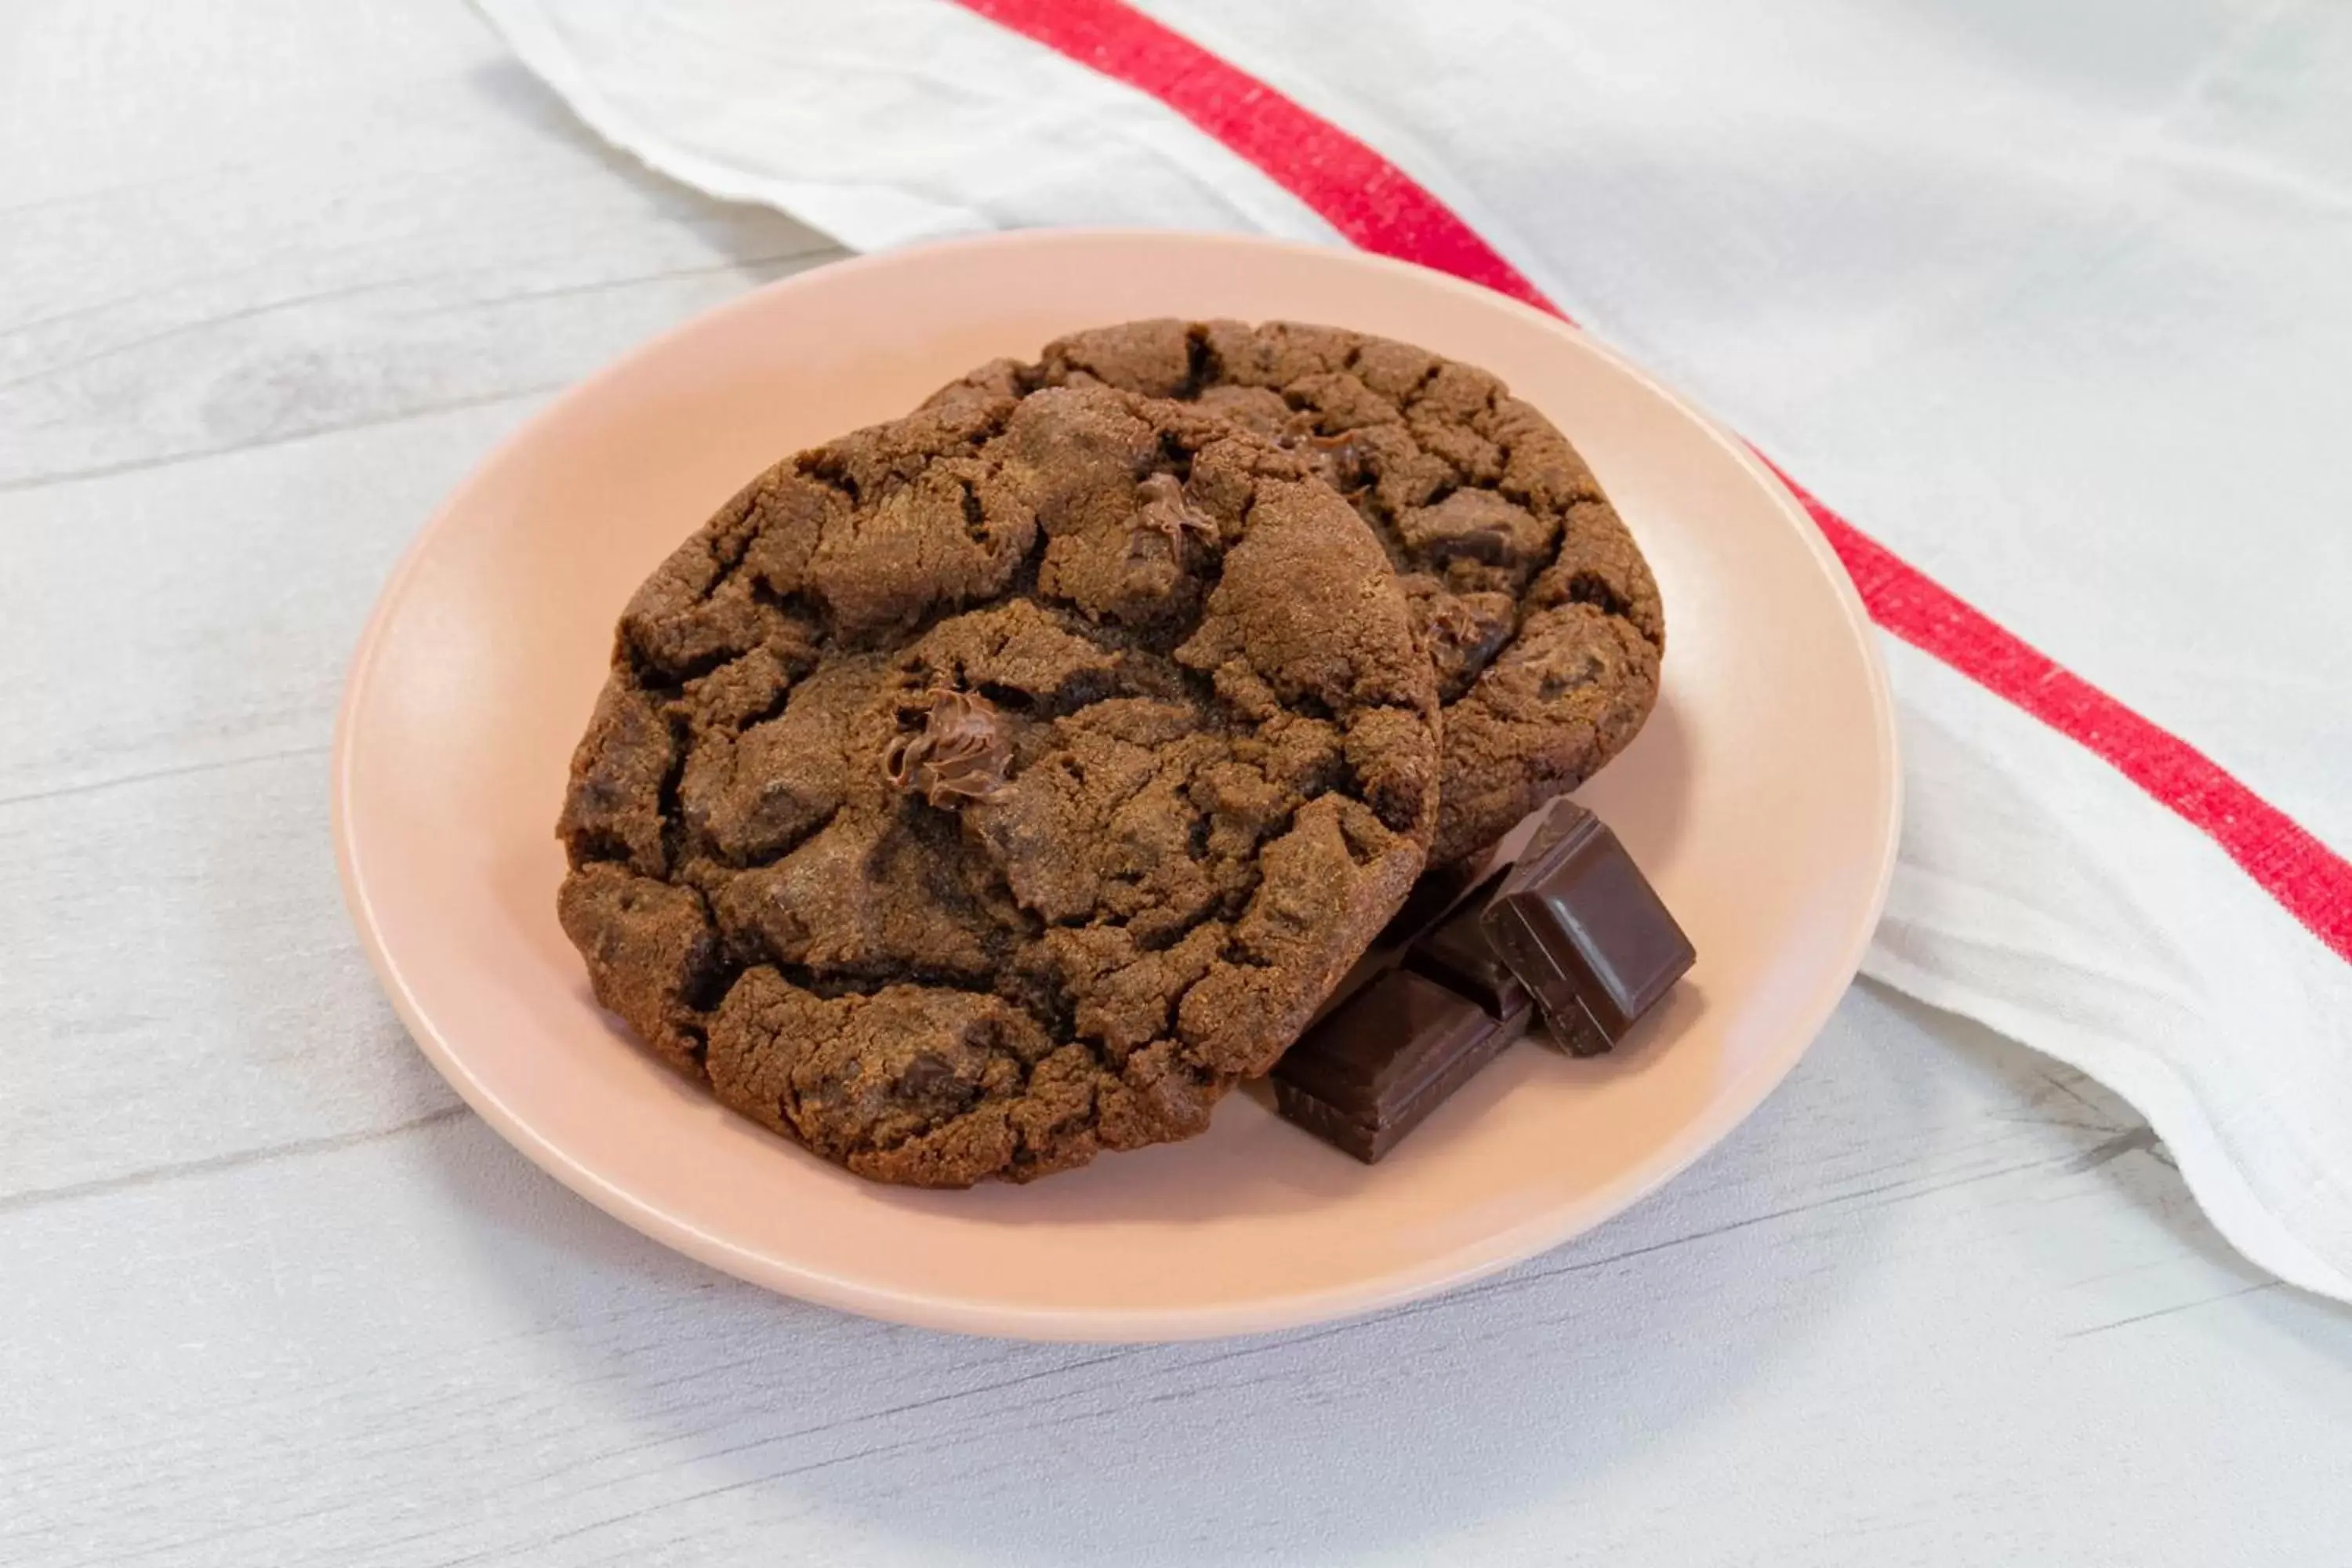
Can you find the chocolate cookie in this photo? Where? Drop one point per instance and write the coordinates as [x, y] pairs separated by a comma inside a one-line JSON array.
[[1538, 613], [992, 787]]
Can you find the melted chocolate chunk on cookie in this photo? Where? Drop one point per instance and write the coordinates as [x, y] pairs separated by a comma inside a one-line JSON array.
[[944, 830], [1461, 632], [1168, 516], [1340, 460], [959, 754], [1486, 511]]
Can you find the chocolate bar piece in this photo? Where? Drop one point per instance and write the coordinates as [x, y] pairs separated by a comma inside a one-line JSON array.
[[1367, 1074], [1457, 955], [1438, 893], [1581, 928]]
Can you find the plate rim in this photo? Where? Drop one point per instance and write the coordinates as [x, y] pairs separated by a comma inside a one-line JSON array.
[[1490, 1255]]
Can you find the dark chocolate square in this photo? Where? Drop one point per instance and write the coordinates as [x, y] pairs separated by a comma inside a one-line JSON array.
[[1374, 1070], [1456, 954], [1434, 896], [1585, 932]]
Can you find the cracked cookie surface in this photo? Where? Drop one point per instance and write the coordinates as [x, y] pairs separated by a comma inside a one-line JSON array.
[[1538, 613], [987, 789]]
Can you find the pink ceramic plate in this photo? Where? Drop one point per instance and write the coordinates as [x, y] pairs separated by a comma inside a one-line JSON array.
[[1761, 799]]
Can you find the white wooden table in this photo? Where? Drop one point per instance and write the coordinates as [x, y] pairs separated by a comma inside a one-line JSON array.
[[273, 276]]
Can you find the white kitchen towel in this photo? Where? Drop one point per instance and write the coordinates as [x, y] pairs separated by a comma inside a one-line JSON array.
[[2055, 303]]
